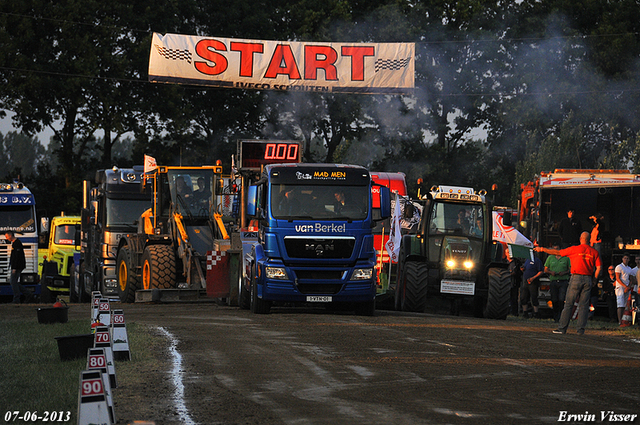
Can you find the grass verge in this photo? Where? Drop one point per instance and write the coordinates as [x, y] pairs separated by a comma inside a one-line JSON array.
[[34, 379]]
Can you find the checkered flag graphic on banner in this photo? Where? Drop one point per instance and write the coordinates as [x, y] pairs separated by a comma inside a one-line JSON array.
[[213, 257], [174, 54], [391, 64]]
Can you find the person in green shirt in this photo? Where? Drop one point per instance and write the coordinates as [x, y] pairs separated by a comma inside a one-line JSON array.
[[558, 268]]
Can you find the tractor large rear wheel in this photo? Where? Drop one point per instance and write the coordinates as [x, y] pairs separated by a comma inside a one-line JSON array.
[[127, 280], [158, 267], [411, 290], [498, 296]]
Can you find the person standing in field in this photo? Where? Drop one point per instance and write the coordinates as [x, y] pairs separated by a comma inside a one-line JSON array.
[[558, 268], [623, 284], [532, 270], [585, 269], [17, 263]]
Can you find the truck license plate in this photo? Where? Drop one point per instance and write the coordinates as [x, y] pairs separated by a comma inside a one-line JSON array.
[[460, 287], [318, 299]]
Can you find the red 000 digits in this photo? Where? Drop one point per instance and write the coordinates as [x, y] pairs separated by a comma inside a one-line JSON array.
[[281, 151]]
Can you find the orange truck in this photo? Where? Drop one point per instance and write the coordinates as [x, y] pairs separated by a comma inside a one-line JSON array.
[[613, 194]]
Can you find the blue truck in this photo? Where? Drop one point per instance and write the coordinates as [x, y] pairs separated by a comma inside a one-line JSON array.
[[18, 213], [309, 237]]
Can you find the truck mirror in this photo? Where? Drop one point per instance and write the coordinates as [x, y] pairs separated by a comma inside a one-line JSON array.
[[252, 196], [44, 225], [385, 202], [507, 218]]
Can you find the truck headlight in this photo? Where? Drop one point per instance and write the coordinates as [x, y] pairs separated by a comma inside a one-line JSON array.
[[362, 274], [276, 273]]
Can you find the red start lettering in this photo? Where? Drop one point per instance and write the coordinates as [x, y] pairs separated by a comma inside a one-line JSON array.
[[312, 62], [357, 60], [246, 56], [283, 60], [203, 49]]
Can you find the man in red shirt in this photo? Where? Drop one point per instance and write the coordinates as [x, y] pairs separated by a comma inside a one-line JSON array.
[[585, 267]]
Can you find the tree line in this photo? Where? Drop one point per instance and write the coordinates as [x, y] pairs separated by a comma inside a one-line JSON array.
[[504, 90]]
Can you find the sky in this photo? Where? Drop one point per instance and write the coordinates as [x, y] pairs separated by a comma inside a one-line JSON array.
[[6, 126]]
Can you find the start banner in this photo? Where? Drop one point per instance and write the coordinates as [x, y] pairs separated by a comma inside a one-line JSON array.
[[278, 65]]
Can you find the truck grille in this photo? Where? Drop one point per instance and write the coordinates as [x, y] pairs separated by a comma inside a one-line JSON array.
[[320, 274], [309, 288], [319, 247]]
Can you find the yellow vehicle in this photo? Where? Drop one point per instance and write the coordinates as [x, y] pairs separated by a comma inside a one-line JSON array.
[[169, 250], [58, 257]]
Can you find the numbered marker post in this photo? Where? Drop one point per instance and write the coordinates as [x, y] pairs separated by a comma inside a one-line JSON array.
[[95, 302], [102, 339], [97, 360], [119, 336], [104, 311], [92, 400]]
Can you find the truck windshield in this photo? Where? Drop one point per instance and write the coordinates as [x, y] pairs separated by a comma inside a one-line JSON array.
[[18, 218], [457, 219], [125, 212], [191, 191], [65, 234], [289, 201]]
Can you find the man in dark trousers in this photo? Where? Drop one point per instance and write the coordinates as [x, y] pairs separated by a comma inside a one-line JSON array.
[[532, 269], [570, 230], [585, 269], [17, 263]]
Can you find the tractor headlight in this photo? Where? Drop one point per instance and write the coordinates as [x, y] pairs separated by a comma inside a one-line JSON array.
[[451, 264], [362, 274], [276, 273], [468, 264]]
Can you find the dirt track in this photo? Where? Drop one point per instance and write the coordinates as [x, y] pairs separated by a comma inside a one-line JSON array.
[[298, 366]]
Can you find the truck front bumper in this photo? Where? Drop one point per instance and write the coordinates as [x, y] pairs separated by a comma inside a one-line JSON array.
[[319, 285]]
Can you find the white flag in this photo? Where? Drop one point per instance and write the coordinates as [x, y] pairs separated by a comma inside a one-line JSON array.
[[393, 244], [519, 245], [149, 163], [508, 234]]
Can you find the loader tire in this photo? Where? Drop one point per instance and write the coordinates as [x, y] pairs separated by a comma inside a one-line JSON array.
[[498, 294], [411, 292], [158, 267], [128, 282]]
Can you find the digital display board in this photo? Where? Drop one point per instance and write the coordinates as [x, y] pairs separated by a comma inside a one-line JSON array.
[[253, 154]]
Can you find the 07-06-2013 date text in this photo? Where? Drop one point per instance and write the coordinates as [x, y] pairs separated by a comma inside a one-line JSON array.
[[46, 416]]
